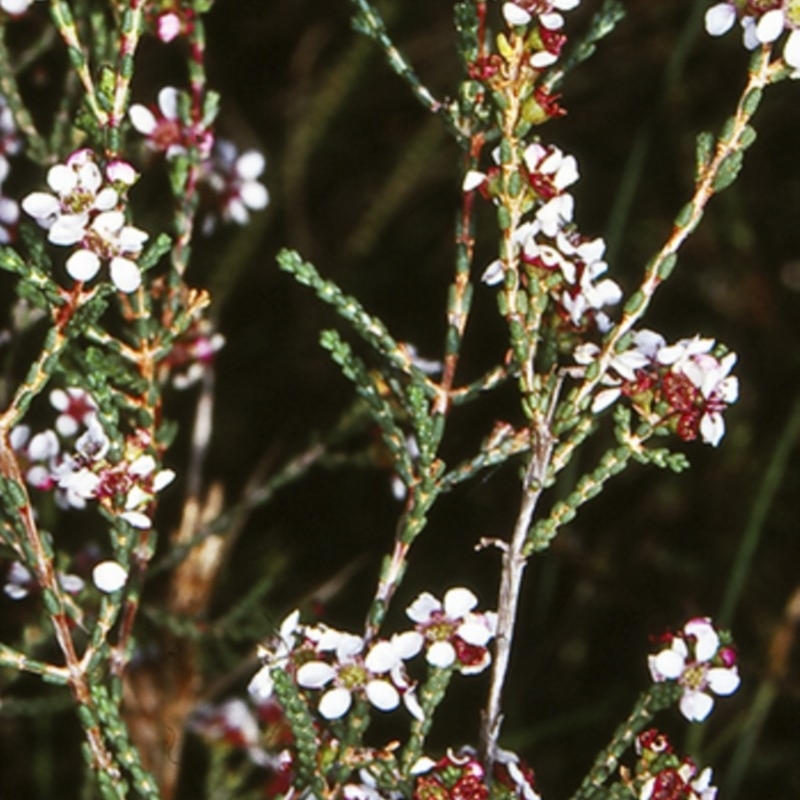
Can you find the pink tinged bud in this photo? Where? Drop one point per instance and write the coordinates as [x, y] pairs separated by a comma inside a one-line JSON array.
[[109, 576], [720, 19], [119, 171], [168, 26], [728, 656]]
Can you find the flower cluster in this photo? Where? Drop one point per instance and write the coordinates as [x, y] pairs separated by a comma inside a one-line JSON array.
[[546, 172], [86, 207], [551, 251], [228, 181], [763, 22], [341, 666], [461, 776], [661, 775], [702, 661], [546, 14], [685, 386], [455, 776], [125, 487]]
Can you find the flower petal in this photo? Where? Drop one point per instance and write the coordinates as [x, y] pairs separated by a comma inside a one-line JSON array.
[[315, 674], [382, 695], [458, 602], [696, 706], [723, 680], [441, 654], [109, 576], [261, 685], [720, 18], [335, 703], [125, 275], [83, 265]]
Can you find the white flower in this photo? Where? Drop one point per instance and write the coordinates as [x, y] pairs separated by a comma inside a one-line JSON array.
[[455, 634], [378, 675], [276, 655], [696, 660], [76, 408], [162, 126], [234, 179], [85, 209], [109, 576]]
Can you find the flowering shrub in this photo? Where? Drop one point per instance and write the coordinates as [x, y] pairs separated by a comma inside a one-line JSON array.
[[115, 540]]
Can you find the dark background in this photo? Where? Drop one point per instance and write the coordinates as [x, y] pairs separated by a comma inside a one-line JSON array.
[[655, 548]]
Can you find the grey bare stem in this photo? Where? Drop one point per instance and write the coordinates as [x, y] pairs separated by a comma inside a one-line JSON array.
[[514, 561]]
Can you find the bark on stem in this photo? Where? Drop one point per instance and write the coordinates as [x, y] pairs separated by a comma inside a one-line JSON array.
[[513, 568]]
